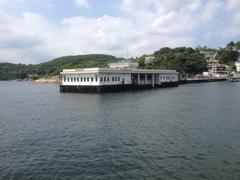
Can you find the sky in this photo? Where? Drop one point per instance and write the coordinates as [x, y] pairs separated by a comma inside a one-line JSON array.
[[35, 31]]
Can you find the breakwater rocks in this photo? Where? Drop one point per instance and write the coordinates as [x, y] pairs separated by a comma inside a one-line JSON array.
[[49, 79]]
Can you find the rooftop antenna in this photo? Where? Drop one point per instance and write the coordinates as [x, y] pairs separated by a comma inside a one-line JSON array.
[[127, 54]]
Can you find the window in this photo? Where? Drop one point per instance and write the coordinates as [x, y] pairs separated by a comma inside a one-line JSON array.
[[92, 79], [84, 79], [74, 79], [77, 79], [115, 78], [104, 79], [101, 79], [87, 79], [81, 79], [71, 79], [108, 79], [112, 78], [118, 78], [68, 79], [96, 79]]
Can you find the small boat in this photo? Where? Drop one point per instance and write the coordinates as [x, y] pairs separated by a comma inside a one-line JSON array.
[[234, 79]]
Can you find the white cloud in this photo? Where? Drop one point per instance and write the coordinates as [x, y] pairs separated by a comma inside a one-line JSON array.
[[11, 1], [82, 3], [146, 26], [31, 38], [232, 27], [232, 4], [230, 32], [21, 37], [171, 16], [236, 18]]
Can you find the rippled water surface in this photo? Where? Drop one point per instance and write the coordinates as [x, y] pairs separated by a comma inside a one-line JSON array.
[[188, 132]]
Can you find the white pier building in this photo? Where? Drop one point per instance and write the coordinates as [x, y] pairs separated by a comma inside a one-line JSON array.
[[115, 79]]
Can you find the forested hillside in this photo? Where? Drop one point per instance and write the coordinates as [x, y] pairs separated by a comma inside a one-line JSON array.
[[9, 71]]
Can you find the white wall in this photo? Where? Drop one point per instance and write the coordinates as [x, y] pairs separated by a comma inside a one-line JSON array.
[[96, 80], [107, 79], [79, 80]]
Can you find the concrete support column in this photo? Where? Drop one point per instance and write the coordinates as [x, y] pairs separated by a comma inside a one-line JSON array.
[[138, 78], [153, 80], [146, 79]]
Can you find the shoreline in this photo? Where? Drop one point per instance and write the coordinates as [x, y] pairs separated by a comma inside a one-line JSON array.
[[194, 81], [56, 80]]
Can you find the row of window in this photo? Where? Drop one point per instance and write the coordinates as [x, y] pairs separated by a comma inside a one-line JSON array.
[[167, 77], [90, 79], [107, 79], [104, 79]]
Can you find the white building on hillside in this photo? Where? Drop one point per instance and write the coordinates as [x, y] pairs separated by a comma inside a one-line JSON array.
[[237, 64], [124, 65], [149, 60]]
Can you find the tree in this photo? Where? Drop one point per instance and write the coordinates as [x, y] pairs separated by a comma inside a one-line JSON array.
[[230, 45], [226, 55], [141, 60], [237, 45], [184, 60]]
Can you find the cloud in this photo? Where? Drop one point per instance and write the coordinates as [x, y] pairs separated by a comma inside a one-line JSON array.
[[11, 2], [20, 37], [82, 3], [33, 38], [236, 18], [106, 31], [170, 16], [232, 25], [146, 26], [233, 4], [4, 2]]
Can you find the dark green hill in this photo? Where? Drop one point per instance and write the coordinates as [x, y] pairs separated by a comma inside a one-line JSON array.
[[55, 66], [9, 71]]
